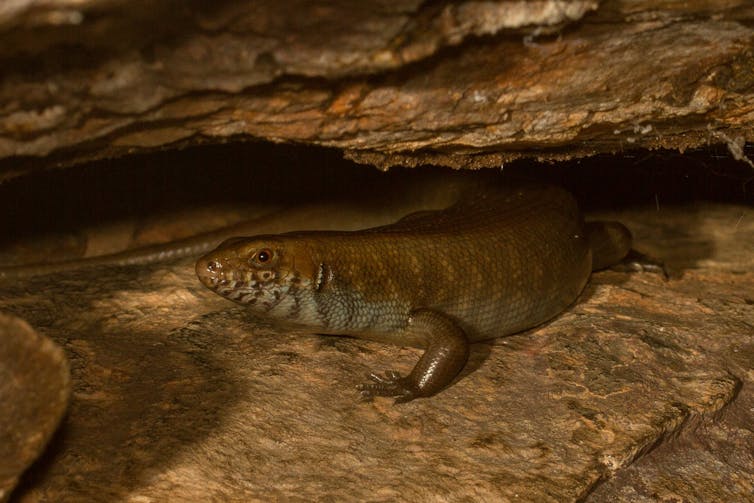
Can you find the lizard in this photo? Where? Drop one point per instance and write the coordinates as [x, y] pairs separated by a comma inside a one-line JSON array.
[[494, 263]]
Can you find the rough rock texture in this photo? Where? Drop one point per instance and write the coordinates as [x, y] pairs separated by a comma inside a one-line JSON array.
[[179, 395], [34, 389], [713, 460], [466, 83]]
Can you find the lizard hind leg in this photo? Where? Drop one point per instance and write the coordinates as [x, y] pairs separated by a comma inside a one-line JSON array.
[[611, 247], [447, 350], [610, 243]]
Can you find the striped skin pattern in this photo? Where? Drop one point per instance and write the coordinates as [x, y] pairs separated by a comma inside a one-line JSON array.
[[496, 262]]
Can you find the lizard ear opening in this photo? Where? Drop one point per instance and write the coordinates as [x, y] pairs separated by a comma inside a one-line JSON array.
[[324, 275]]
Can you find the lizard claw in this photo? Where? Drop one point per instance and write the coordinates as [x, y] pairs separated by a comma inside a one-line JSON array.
[[391, 384], [639, 262]]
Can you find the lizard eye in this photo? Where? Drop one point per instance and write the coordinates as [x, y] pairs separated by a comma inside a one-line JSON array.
[[262, 257]]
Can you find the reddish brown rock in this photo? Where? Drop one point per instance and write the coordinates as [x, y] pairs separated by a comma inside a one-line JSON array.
[[463, 84], [34, 391]]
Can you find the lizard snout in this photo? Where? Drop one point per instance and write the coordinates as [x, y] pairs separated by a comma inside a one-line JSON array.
[[208, 270]]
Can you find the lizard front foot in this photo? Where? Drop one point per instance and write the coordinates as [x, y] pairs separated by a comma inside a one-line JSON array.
[[392, 384], [446, 354]]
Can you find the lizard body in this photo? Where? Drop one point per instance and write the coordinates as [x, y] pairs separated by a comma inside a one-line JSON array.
[[496, 262]]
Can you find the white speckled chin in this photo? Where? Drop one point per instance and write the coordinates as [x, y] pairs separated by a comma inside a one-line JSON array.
[[258, 296]]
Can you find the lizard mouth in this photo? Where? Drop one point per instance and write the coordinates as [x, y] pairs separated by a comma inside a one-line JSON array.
[[246, 289], [211, 275]]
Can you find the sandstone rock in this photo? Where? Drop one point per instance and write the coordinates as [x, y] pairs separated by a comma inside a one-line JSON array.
[[34, 391], [463, 84]]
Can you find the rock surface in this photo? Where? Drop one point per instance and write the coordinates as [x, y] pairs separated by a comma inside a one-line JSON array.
[[34, 389], [179, 395], [463, 84]]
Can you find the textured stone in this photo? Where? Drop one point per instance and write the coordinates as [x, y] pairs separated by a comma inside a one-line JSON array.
[[34, 390], [462, 84]]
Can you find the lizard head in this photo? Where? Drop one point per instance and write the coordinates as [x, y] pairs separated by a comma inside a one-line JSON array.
[[264, 273]]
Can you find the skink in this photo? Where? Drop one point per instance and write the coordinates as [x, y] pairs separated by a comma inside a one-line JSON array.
[[496, 262]]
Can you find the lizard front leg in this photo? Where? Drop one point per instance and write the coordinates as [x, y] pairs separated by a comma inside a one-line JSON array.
[[447, 350]]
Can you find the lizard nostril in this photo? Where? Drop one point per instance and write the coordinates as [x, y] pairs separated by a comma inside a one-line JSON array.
[[214, 266]]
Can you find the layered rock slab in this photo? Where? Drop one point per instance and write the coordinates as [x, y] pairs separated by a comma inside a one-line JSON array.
[[461, 84]]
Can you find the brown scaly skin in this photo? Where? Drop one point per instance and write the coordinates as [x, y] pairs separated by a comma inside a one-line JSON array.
[[495, 263]]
